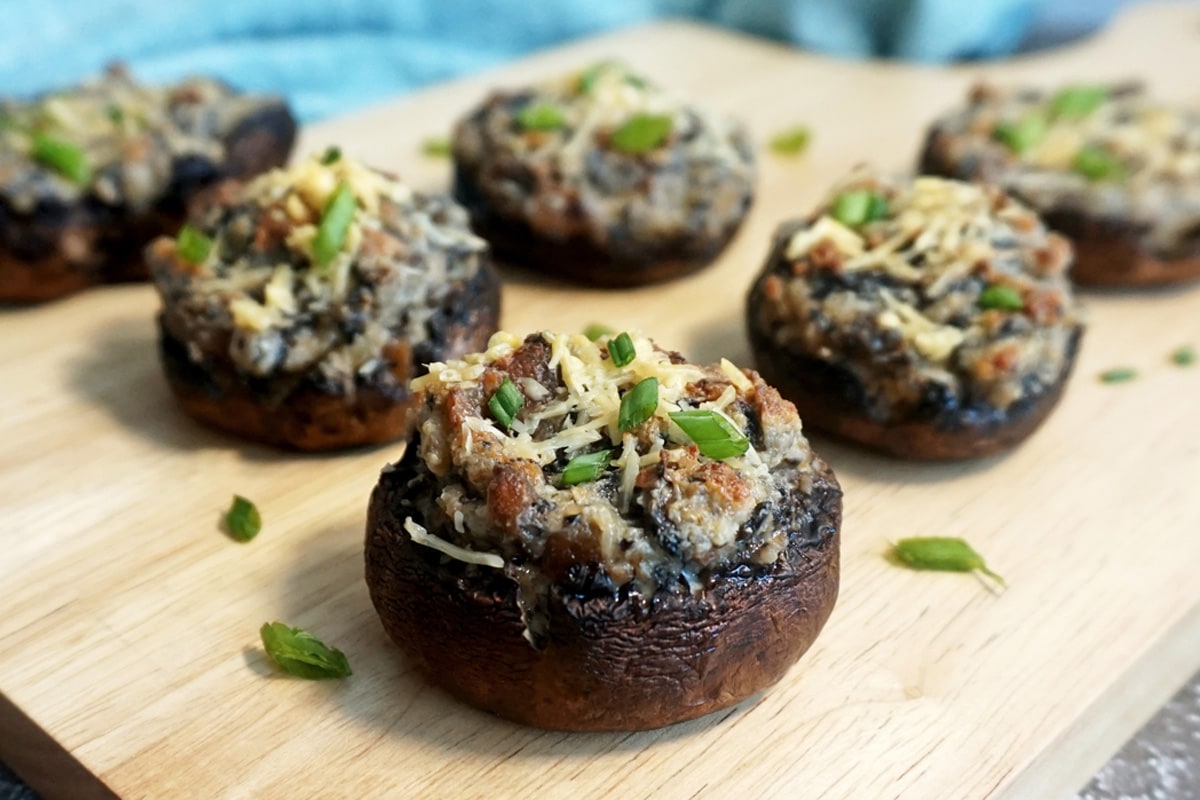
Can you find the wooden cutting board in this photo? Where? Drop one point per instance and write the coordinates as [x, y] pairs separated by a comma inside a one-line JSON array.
[[129, 622]]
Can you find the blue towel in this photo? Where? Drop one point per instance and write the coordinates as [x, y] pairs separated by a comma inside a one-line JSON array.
[[329, 56]]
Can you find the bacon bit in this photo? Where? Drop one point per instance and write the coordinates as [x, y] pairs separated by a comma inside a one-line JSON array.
[[725, 483], [707, 389], [648, 476], [273, 228], [773, 410], [1043, 306], [1000, 361], [459, 406], [186, 94], [509, 494], [826, 255], [1055, 257], [773, 287]]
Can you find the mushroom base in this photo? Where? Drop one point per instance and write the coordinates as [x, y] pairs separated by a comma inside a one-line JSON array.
[[58, 250], [613, 662], [578, 258], [296, 412], [828, 397]]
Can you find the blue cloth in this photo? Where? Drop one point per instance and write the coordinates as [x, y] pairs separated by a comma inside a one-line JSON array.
[[329, 56]]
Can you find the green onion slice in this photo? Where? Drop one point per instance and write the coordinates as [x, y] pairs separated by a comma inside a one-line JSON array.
[[596, 330], [68, 160], [300, 653], [436, 147], [713, 434], [621, 349], [638, 404], [791, 142], [1097, 164], [586, 468], [1118, 375], [590, 76], [242, 519], [335, 222], [505, 402], [1004, 298], [332, 155], [858, 207], [192, 245], [541, 117], [1184, 356], [1076, 102], [1022, 135], [941, 553], [642, 133]]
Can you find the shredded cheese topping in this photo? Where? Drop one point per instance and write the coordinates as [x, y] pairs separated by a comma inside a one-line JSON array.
[[420, 536]]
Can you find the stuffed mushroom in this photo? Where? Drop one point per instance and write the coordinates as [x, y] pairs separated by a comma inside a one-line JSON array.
[[926, 318], [298, 306], [602, 178], [1107, 165], [601, 536], [89, 175]]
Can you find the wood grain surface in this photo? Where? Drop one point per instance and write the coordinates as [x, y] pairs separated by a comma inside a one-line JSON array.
[[129, 622]]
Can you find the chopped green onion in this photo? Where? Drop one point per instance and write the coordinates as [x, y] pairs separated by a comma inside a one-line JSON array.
[[332, 155], [242, 519], [192, 245], [791, 142], [436, 147], [638, 404], [858, 207], [1118, 375], [712, 433], [1184, 356], [505, 402], [621, 349], [642, 133], [1022, 135], [1098, 164], [541, 117], [1076, 102], [1004, 298], [115, 114], [941, 553], [68, 160], [590, 76], [335, 222], [300, 653], [596, 330], [585, 468]]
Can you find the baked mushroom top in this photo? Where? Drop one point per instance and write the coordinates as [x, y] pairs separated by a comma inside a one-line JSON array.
[[1107, 151], [925, 288], [608, 155], [560, 459], [114, 140], [322, 266]]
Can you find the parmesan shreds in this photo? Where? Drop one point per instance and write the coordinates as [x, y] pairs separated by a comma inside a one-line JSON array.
[[420, 536]]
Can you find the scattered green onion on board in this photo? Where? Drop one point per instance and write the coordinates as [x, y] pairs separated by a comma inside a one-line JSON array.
[[642, 133], [242, 520], [621, 349], [1183, 356], [299, 653], [1118, 375], [505, 402], [1076, 102], [858, 207], [192, 246], [638, 404], [436, 147], [941, 554], [791, 142], [68, 160], [714, 435], [1002, 298], [1022, 135], [332, 155], [597, 330], [541, 117], [586, 468], [335, 222]]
